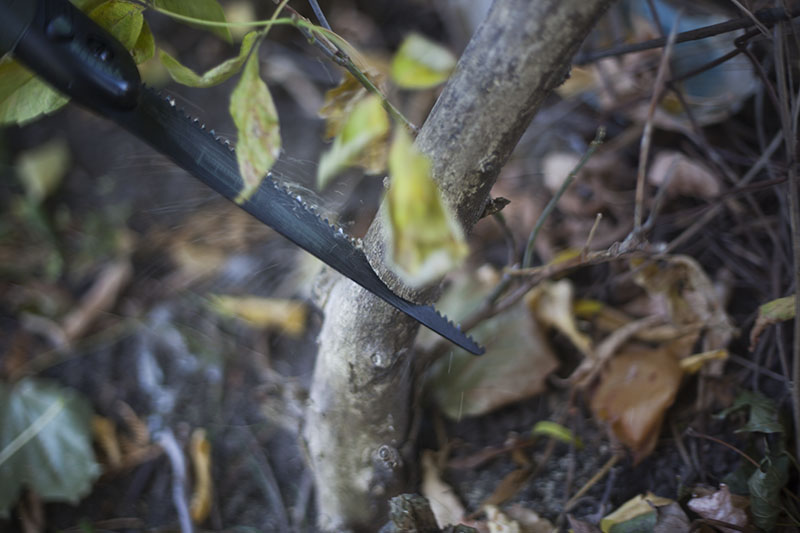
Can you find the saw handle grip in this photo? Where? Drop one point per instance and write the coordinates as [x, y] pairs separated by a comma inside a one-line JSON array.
[[70, 51]]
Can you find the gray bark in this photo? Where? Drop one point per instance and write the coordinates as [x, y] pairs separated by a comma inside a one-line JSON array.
[[358, 424]]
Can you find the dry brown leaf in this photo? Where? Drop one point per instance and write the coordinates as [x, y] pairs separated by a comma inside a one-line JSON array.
[[689, 297], [200, 453], [551, 303], [197, 261], [515, 366], [509, 486], [99, 298], [444, 503], [635, 390], [721, 505], [686, 176]]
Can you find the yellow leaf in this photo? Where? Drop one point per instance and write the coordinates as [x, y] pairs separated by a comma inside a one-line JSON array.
[[256, 120], [41, 168], [200, 452], [105, 434], [694, 363], [361, 141], [287, 315], [340, 100], [635, 507], [426, 241], [557, 431], [420, 63]]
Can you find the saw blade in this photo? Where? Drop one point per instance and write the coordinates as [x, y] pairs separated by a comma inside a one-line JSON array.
[[157, 121]]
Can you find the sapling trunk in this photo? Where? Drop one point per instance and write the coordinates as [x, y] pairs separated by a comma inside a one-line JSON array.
[[358, 428]]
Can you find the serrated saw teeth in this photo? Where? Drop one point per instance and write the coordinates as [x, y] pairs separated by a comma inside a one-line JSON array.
[[158, 121]]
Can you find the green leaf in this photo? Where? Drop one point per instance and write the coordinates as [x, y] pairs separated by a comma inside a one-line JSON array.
[[209, 10], [186, 76], [41, 168], [425, 240], [122, 19], [45, 443], [145, 45], [763, 415], [420, 63], [23, 96], [360, 142], [765, 486], [256, 120]]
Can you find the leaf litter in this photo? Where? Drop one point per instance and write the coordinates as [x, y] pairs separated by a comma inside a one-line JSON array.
[[674, 322]]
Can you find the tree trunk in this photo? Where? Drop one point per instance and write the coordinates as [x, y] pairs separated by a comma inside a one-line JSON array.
[[358, 420]]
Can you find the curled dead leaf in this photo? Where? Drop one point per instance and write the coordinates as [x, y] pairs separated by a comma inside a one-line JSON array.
[[723, 506], [445, 504]]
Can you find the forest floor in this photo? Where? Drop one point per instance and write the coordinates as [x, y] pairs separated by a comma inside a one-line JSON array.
[[628, 369]]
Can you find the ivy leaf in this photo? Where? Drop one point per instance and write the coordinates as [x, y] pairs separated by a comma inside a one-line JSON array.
[[763, 416], [256, 120], [209, 10], [145, 45], [122, 19], [45, 443], [425, 240], [420, 63], [23, 96], [186, 76], [765, 486], [361, 141]]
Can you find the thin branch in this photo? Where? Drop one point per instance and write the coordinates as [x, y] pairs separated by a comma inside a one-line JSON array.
[[794, 215], [333, 46], [527, 259], [768, 17], [647, 134], [319, 14]]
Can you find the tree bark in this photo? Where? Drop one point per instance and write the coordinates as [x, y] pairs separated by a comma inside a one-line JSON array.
[[358, 421]]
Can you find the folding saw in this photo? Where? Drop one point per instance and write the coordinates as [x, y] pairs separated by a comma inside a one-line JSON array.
[[72, 53]]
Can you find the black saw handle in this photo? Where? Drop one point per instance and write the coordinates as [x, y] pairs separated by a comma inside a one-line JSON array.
[[70, 51]]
